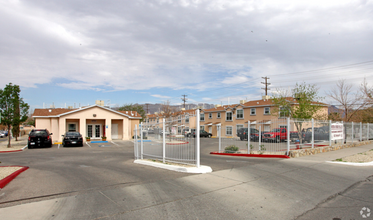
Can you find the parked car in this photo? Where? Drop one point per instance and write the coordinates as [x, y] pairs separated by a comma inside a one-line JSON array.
[[243, 134], [278, 135], [72, 138], [320, 134], [3, 134], [39, 138], [202, 133]]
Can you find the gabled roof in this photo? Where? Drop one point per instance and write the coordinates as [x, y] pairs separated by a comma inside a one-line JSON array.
[[58, 112]]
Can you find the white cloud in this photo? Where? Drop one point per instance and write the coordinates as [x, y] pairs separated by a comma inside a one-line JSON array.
[[161, 96]]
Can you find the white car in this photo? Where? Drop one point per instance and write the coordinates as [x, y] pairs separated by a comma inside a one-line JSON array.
[[2, 135]]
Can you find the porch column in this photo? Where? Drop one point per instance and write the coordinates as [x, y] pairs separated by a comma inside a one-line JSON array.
[[83, 127], [108, 129], [61, 129]]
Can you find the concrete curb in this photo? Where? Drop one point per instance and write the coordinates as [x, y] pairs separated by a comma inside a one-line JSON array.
[[11, 151], [202, 169], [9, 178], [352, 164], [252, 155]]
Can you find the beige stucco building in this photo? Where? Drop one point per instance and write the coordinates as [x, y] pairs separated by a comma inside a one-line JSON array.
[[92, 121]]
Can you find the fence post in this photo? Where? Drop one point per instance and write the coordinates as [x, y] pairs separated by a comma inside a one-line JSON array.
[[361, 131], [197, 140], [312, 134], [288, 135], [164, 141], [367, 131], [219, 127], [330, 132], [248, 137], [260, 137], [136, 147], [141, 142], [352, 132]]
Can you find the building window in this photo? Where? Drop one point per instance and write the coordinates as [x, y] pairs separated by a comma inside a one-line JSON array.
[[238, 127], [253, 111], [179, 119], [202, 128], [240, 114], [228, 130], [71, 127], [228, 116], [218, 115], [187, 119], [157, 120], [179, 130], [284, 112], [266, 111], [202, 118], [210, 115]]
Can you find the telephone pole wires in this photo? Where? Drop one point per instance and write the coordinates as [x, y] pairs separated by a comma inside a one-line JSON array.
[[184, 99], [266, 85]]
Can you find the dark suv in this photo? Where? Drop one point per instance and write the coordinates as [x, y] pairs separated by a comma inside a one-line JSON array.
[[242, 134], [39, 138]]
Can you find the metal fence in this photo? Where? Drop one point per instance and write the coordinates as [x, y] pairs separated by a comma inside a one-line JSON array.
[[172, 140], [282, 135]]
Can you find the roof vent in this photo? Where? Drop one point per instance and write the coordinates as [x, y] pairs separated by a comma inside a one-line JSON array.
[[257, 102], [50, 110]]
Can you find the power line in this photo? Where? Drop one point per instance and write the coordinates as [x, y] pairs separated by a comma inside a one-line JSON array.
[[184, 99], [266, 84]]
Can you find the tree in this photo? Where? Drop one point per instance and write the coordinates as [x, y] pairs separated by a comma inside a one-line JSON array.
[[168, 113], [134, 107], [367, 92], [350, 103], [300, 103], [14, 110]]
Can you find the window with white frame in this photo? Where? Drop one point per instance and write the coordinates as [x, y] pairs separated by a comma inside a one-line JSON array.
[[284, 112], [228, 130], [267, 111], [202, 117], [179, 119], [229, 116], [238, 127], [210, 115], [202, 128], [218, 115], [186, 118], [179, 130], [157, 120], [253, 111], [240, 114]]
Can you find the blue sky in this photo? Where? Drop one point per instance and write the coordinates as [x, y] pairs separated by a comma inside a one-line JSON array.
[[214, 51]]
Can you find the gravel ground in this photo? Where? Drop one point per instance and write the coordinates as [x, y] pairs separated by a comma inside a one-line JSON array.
[[359, 158], [6, 171]]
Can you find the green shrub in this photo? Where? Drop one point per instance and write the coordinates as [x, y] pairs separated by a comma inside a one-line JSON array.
[[231, 149]]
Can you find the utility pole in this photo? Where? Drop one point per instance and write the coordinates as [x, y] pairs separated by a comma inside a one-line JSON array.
[[147, 108], [184, 99], [266, 84]]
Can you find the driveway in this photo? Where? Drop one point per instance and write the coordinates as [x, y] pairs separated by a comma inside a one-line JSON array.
[[103, 183]]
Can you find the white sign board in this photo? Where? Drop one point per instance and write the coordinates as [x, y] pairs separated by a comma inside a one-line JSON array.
[[337, 131]]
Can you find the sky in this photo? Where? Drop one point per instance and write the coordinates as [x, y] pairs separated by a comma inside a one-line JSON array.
[[73, 52]]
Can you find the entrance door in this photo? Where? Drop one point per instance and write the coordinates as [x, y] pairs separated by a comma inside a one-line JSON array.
[[94, 131], [114, 131], [210, 129]]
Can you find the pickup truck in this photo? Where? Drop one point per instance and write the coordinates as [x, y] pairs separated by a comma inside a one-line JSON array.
[[278, 135]]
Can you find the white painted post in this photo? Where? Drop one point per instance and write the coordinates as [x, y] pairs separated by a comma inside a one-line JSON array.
[[330, 132], [352, 132], [141, 142], [136, 147], [164, 141], [219, 127], [313, 133], [260, 137], [288, 135], [361, 131], [197, 140], [367, 131], [248, 137]]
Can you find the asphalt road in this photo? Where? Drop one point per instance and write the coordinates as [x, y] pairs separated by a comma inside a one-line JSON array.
[[94, 182]]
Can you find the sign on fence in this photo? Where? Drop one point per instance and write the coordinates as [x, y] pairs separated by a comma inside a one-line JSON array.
[[337, 131]]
